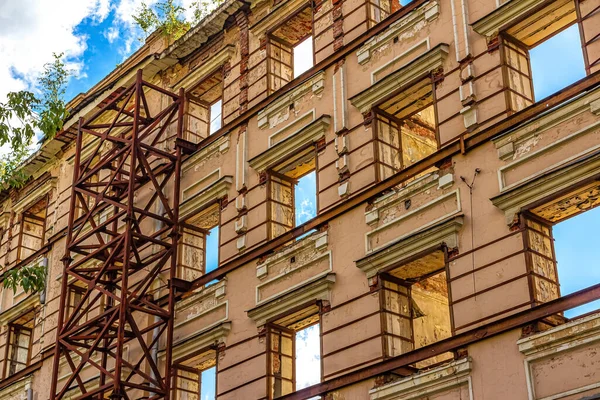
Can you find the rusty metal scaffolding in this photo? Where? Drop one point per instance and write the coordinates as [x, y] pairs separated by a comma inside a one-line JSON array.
[[121, 250]]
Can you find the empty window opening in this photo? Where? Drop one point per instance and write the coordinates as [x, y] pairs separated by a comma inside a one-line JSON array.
[[406, 128], [542, 53], [577, 254], [303, 56], [290, 49], [196, 378], [199, 246], [294, 345], [415, 306], [20, 334], [32, 231], [293, 192], [557, 63], [216, 116], [566, 251], [204, 114]]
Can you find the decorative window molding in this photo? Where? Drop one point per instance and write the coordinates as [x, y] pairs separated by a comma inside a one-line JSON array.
[[314, 84], [283, 149], [20, 308], [552, 181], [33, 196], [216, 190], [561, 338], [306, 251], [215, 61], [219, 146], [426, 63], [318, 288], [424, 384], [490, 25], [18, 390], [507, 144], [199, 341], [413, 188], [442, 232], [415, 20], [438, 201], [554, 341], [275, 15]]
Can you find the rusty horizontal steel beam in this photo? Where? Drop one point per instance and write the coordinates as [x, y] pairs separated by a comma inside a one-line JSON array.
[[474, 335]]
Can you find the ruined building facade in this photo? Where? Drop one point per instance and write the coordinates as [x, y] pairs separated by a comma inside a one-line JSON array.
[[186, 260]]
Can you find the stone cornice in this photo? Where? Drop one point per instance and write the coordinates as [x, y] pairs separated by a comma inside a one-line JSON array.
[[20, 308], [560, 338], [423, 64], [513, 200], [275, 16], [506, 142], [315, 83], [490, 25], [199, 341], [317, 288], [216, 190], [280, 151], [424, 384], [316, 242], [444, 232], [33, 196], [205, 68], [216, 290], [425, 13]]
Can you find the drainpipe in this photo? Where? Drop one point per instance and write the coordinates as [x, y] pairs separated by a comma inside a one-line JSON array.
[[43, 292], [155, 331]]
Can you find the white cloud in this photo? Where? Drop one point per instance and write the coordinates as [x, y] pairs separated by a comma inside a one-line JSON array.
[[31, 30], [111, 34]]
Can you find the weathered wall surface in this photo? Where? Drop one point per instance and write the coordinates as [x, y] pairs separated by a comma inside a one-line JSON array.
[[478, 234]]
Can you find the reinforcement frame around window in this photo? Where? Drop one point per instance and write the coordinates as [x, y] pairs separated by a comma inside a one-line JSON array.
[[23, 220], [382, 116], [276, 82], [16, 328], [179, 365]]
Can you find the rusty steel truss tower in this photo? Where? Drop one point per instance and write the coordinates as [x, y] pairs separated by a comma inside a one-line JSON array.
[[121, 249]]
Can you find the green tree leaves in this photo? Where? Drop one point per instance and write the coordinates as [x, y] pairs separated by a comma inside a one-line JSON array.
[[24, 114], [168, 18], [31, 278]]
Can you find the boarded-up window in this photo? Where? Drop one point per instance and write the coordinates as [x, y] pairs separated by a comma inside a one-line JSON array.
[[33, 227], [517, 69], [196, 378], [541, 258], [204, 109], [199, 236], [378, 10], [281, 355], [20, 334], [397, 317], [281, 202], [405, 128], [281, 44]]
